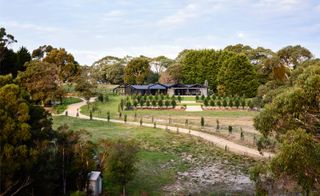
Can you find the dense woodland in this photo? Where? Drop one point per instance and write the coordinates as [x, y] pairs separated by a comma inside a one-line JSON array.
[[38, 160]]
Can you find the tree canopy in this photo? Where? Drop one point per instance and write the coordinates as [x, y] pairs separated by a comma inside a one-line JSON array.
[[137, 71]]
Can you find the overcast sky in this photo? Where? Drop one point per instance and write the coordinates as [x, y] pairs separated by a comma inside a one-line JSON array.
[[91, 29]]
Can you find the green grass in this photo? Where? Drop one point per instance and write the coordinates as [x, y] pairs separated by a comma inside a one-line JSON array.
[[160, 155], [65, 102]]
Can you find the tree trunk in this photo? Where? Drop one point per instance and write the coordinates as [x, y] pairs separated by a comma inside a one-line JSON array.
[[123, 190]]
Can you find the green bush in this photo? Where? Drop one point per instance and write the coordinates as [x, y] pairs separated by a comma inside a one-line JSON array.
[[148, 103], [197, 97], [202, 97], [206, 102], [128, 105], [250, 104], [125, 118], [100, 97], [154, 103], [230, 103], [230, 129], [224, 102], [166, 103], [212, 103], [213, 97], [173, 103], [218, 124], [135, 103], [141, 102], [160, 103], [219, 103], [243, 103], [237, 103], [179, 98]]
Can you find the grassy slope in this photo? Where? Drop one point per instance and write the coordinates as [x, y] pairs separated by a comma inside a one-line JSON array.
[[158, 148]]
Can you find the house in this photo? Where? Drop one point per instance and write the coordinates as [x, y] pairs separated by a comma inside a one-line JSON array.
[[95, 183], [170, 89]]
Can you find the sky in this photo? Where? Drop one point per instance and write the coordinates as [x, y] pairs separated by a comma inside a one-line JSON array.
[[92, 29]]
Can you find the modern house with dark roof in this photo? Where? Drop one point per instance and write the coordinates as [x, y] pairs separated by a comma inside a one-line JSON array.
[[170, 89]]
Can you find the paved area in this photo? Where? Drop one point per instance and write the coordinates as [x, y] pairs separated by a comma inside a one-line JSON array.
[[216, 141], [193, 108]]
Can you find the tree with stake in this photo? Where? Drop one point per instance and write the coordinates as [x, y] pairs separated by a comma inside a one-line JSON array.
[[230, 129], [141, 121], [66, 113], [120, 115], [90, 115], [202, 122], [241, 134], [125, 118], [187, 123], [218, 125], [154, 125], [108, 116]]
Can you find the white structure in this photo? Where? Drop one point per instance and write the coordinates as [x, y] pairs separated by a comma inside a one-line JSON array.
[[95, 182]]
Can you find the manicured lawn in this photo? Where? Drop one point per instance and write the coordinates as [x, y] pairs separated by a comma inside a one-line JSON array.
[[112, 107], [65, 102], [161, 154]]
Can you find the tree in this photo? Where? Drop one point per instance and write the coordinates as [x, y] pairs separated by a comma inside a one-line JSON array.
[[68, 68], [5, 40], [292, 56], [41, 80], [137, 71], [238, 76], [121, 164], [109, 70], [85, 88], [293, 117]]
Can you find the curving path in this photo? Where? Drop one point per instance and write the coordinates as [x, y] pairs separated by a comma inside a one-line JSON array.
[[216, 141]]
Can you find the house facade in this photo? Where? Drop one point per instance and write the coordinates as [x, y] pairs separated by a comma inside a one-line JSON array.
[[170, 89]]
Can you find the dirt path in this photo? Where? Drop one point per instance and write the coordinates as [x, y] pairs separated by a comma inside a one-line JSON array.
[[73, 109]]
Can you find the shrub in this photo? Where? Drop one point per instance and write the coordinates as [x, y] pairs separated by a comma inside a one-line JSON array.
[[224, 102], [90, 114], [179, 98], [100, 97], [237, 103], [230, 103], [212, 103], [106, 98], [145, 97], [197, 97], [243, 103], [150, 97], [173, 103], [128, 105], [167, 103], [213, 97], [173, 97], [160, 103], [250, 104], [125, 118], [154, 103], [148, 103], [187, 122], [156, 97], [121, 104], [141, 102], [135, 103], [167, 96], [230, 129], [206, 102], [138, 98], [141, 122], [202, 121], [219, 103], [202, 97], [162, 96]]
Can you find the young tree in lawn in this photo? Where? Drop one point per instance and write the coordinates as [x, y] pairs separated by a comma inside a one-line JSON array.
[[202, 121]]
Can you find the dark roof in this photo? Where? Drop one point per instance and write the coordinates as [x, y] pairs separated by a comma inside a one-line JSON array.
[[159, 86]]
